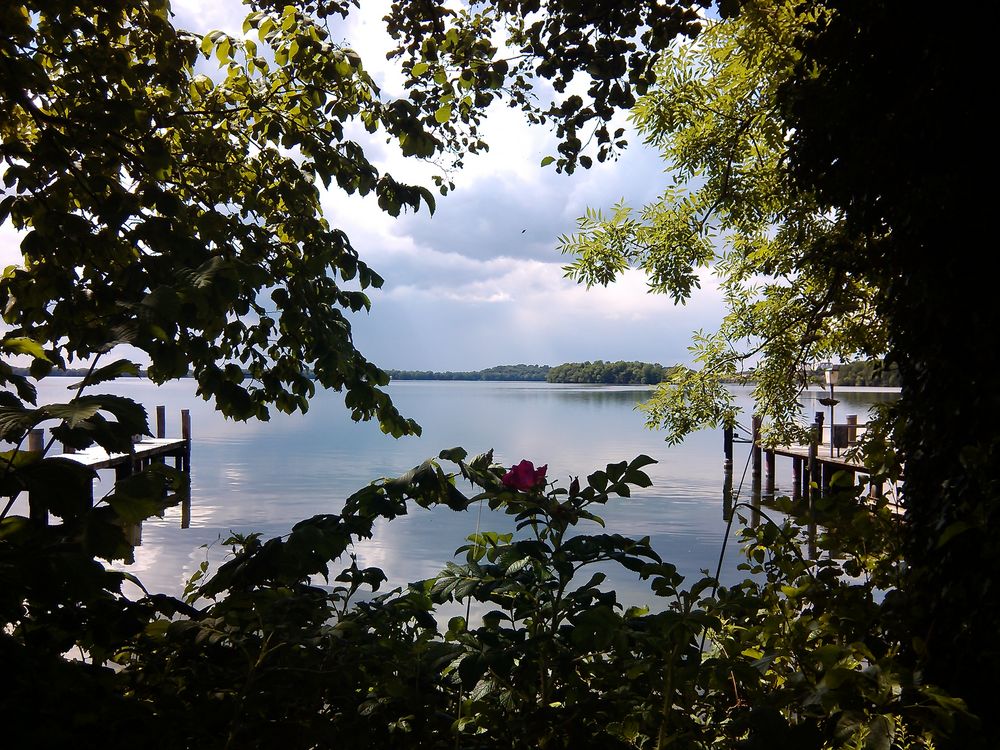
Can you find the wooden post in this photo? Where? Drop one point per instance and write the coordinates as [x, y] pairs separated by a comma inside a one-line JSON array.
[[796, 478], [186, 434], [756, 454], [161, 421], [852, 428], [37, 511], [813, 465], [769, 473], [185, 461], [727, 473], [727, 495]]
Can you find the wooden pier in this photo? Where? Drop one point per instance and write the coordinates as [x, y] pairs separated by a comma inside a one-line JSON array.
[[145, 451], [814, 465]]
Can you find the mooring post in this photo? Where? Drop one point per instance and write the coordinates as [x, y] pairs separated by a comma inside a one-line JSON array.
[[185, 466], [756, 454], [186, 434], [796, 478], [727, 472], [161, 431], [37, 511], [727, 495]]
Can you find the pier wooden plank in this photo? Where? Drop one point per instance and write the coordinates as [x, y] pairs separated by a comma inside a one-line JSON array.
[[98, 458], [802, 451]]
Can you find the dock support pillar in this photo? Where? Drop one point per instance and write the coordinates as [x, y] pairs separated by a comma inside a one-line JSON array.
[[185, 466], [755, 453], [727, 473], [186, 434], [37, 511], [796, 478], [161, 421], [769, 474]]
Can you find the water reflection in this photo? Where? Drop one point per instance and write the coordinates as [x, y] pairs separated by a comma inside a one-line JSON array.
[[266, 476]]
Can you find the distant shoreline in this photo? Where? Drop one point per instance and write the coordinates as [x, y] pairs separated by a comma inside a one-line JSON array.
[[869, 374]]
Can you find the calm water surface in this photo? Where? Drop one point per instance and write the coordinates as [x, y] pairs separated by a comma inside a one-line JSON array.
[[267, 476]]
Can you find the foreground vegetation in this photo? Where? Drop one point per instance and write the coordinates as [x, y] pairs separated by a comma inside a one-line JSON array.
[[280, 646]]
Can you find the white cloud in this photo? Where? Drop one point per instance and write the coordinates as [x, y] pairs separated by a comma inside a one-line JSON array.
[[10, 245]]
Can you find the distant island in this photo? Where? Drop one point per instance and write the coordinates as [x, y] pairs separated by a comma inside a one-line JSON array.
[[610, 373]]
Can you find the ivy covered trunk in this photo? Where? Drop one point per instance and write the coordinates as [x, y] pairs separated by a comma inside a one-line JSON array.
[[875, 134]]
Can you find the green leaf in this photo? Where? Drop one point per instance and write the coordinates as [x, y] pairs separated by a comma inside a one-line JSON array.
[[108, 372], [443, 114], [24, 345], [15, 421], [547, 160], [74, 412]]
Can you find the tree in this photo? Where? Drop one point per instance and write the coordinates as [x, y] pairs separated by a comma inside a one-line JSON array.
[[180, 214], [873, 106], [821, 137], [178, 211], [715, 114]]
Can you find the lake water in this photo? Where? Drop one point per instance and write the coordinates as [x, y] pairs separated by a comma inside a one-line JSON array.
[[267, 476]]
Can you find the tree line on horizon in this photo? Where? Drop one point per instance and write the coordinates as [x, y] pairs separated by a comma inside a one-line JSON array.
[[865, 373]]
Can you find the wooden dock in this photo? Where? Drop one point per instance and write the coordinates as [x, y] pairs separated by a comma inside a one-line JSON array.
[[814, 465], [145, 451]]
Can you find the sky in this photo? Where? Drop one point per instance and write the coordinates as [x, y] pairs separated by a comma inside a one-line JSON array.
[[481, 282]]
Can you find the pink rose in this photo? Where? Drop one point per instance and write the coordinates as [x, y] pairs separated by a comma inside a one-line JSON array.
[[525, 476]]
